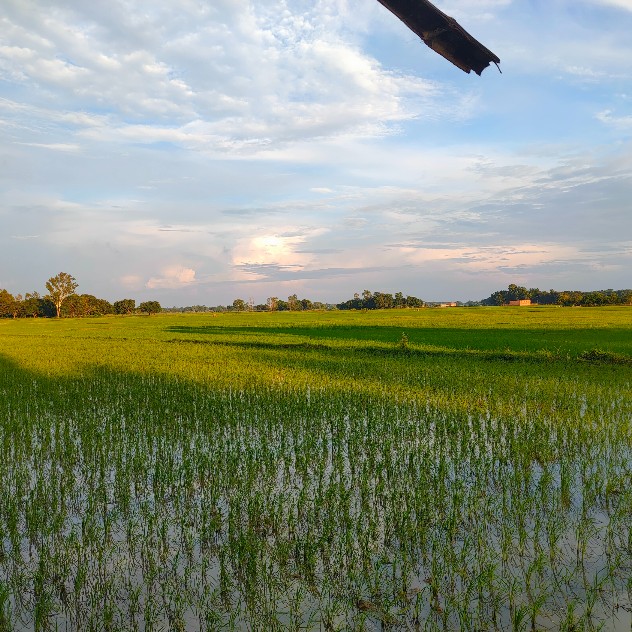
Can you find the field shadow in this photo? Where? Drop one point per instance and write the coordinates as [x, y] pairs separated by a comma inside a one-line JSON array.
[[507, 344]]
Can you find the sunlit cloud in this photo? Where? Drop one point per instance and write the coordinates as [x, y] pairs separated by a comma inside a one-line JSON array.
[[172, 278], [131, 281]]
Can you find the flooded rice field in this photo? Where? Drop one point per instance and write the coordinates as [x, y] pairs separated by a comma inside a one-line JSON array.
[[145, 500]]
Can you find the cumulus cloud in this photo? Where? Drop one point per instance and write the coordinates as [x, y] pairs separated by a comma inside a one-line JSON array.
[[256, 252], [172, 277], [232, 77]]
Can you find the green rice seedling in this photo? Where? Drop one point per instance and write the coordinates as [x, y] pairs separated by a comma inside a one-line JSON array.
[[231, 473]]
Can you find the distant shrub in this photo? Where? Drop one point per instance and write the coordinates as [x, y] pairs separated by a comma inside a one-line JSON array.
[[403, 341]]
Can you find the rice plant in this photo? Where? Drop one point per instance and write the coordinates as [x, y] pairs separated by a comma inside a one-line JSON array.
[[311, 472]]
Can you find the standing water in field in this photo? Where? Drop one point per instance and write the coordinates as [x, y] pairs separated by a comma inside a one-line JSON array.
[[227, 479], [142, 503]]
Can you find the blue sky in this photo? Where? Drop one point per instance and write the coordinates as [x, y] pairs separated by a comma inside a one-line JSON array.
[[194, 152]]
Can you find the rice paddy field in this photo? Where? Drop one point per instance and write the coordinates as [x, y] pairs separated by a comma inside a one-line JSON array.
[[441, 469]]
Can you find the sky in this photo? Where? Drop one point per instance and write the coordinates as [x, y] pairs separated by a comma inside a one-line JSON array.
[[198, 151]]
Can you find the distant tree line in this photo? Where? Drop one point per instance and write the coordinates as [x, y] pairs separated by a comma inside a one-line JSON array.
[[380, 300], [272, 304], [366, 300], [62, 301], [566, 298]]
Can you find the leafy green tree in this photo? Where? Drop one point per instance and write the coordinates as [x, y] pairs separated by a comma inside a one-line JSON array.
[[239, 305], [33, 305], [413, 301], [293, 303], [59, 288], [593, 299], [150, 307], [501, 297], [6, 303], [74, 306], [517, 292], [124, 306], [82, 305], [383, 300]]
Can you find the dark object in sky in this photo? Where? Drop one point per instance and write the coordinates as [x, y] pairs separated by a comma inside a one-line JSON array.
[[443, 34]]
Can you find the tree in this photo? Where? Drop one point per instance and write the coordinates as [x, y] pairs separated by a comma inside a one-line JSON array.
[[293, 303], [33, 305], [74, 306], [239, 305], [150, 307], [6, 303], [413, 301], [383, 300], [80, 305], [125, 306], [517, 292], [272, 303], [59, 288]]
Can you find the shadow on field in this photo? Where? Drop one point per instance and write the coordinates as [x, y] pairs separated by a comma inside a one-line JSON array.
[[492, 343], [398, 364], [373, 351]]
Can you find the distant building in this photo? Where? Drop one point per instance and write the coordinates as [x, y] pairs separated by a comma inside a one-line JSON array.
[[451, 304], [521, 303]]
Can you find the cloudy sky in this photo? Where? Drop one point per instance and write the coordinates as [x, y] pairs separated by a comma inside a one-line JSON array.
[[196, 151]]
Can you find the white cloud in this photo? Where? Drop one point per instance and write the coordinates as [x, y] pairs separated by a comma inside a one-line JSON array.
[[621, 4], [131, 281], [239, 76], [172, 277], [275, 249], [54, 146], [619, 122]]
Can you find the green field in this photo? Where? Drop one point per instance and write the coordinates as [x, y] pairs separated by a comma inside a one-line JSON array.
[[439, 469]]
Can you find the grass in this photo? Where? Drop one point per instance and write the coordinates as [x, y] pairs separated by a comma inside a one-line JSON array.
[[405, 470]]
